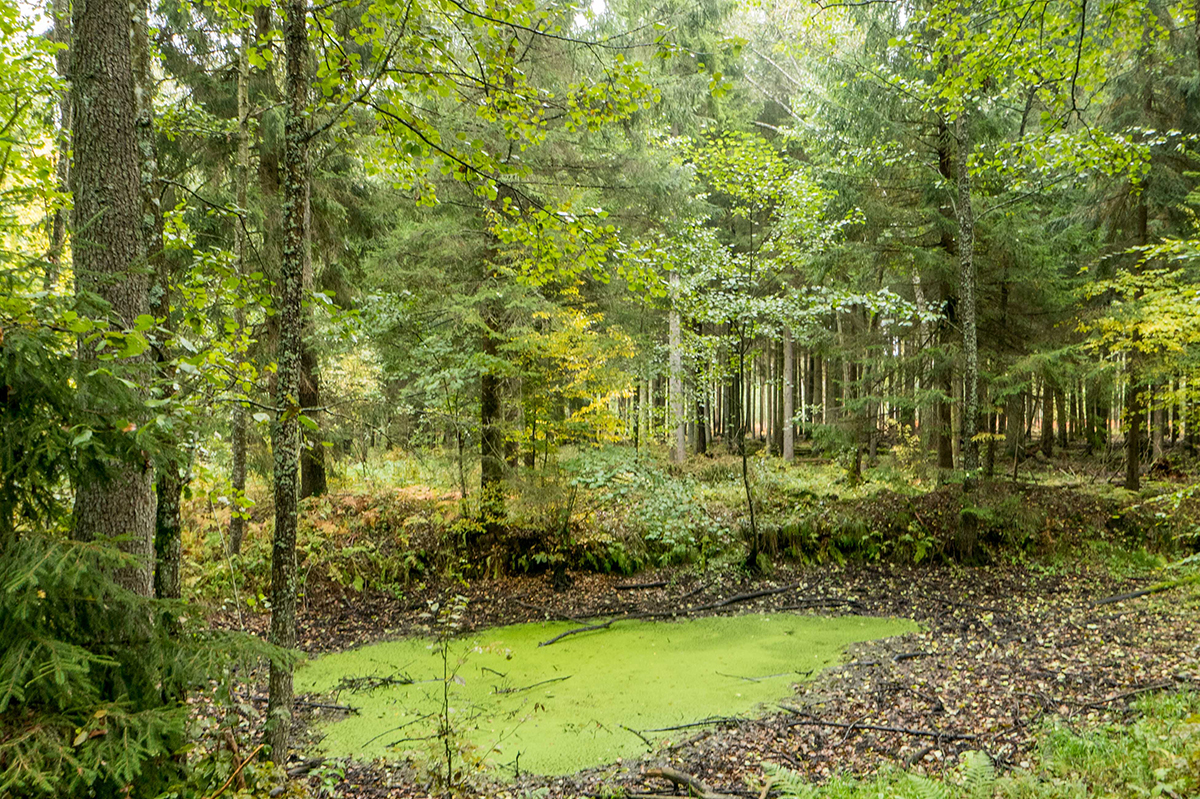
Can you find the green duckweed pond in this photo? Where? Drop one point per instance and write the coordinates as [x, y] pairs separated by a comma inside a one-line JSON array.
[[575, 704]]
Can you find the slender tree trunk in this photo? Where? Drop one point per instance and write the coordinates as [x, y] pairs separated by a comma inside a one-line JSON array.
[[286, 428], [966, 299], [1060, 410], [313, 479], [237, 524], [61, 11], [109, 262], [1047, 418], [169, 485], [789, 397], [678, 418]]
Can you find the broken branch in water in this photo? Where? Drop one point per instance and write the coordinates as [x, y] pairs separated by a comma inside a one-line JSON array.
[[528, 687], [681, 612]]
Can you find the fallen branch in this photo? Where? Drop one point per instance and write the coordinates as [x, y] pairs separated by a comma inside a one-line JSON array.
[[702, 723], [528, 687], [587, 629], [946, 736], [641, 586], [694, 785], [1157, 588], [321, 705], [681, 612], [1154, 686], [645, 740], [831, 602], [237, 771]]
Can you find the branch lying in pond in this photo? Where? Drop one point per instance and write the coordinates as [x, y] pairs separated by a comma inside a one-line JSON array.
[[394, 729], [528, 687], [708, 722], [681, 612], [645, 740], [589, 628]]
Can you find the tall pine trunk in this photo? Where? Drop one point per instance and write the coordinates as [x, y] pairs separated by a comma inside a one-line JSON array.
[[116, 498], [966, 299]]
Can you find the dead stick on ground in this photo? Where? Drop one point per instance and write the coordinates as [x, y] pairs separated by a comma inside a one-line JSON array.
[[237, 771], [1154, 589], [948, 736], [640, 586], [694, 785]]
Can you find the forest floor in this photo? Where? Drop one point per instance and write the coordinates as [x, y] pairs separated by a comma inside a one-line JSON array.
[[1001, 648]]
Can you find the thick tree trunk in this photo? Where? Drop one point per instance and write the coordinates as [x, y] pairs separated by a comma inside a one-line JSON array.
[[966, 299], [109, 262], [286, 428]]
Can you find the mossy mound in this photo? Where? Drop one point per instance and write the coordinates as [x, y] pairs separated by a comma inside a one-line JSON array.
[[575, 704]]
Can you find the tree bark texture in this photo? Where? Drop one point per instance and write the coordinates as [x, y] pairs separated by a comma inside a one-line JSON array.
[[239, 423], [966, 299], [675, 335], [286, 427], [789, 397], [109, 261]]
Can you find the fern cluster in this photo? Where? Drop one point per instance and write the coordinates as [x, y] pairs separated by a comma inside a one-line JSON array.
[[93, 678]]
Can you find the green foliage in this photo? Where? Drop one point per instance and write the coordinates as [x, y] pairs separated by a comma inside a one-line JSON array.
[[93, 678], [665, 512]]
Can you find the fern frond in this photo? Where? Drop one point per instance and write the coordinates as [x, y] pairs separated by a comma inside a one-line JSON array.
[[979, 775]]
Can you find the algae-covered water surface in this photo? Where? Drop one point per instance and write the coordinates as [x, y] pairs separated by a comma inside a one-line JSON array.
[[575, 704]]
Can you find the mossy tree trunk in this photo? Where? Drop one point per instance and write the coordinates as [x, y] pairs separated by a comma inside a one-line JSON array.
[[286, 428]]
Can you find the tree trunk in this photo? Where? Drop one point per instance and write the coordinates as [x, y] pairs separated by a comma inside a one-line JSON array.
[[61, 13], [313, 480], [1047, 419], [966, 300], [286, 428], [789, 397], [237, 524], [1060, 410], [116, 498], [678, 418]]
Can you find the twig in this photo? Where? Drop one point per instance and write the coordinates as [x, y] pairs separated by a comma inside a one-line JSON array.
[[237, 771], [949, 736], [704, 723], [647, 741], [640, 586], [587, 629], [1154, 589], [527, 687]]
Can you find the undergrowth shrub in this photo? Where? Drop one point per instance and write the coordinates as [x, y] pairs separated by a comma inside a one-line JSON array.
[[94, 678], [664, 512]]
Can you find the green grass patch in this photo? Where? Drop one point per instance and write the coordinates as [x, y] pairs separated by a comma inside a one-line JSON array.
[[576, 703]]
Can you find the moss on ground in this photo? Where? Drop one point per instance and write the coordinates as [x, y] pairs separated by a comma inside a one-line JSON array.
[[575, 704]]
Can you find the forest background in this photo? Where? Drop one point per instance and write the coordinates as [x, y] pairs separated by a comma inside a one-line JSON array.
[[585, 282]]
